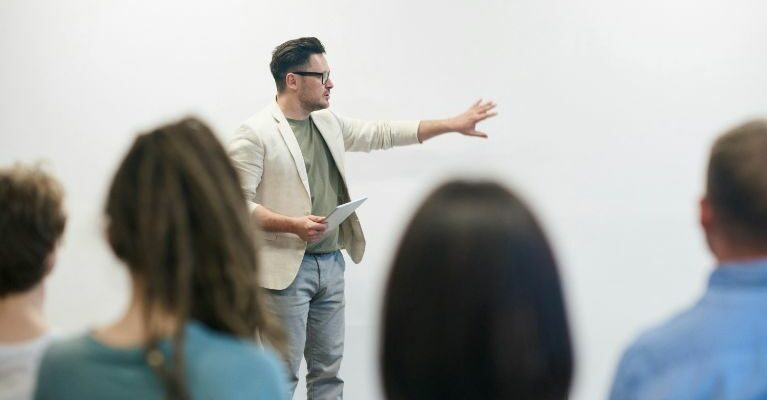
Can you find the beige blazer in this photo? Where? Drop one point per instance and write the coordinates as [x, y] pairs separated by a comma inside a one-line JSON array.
[[267, 156]]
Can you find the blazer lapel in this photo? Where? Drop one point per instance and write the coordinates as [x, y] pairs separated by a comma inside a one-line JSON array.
[[290, 140], [331, 142]]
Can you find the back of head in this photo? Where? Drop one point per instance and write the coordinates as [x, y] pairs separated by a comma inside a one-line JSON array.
[[737, 183], [178, 219], [473, 306], [32, 220], [291, 55]]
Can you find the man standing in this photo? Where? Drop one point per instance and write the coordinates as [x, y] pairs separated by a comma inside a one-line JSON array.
[[717, 349], [290, 157]]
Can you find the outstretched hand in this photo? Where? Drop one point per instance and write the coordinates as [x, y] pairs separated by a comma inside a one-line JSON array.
[[466, 123]]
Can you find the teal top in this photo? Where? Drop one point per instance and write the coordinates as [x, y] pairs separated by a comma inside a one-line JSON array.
[[325, 183], [218, 366]]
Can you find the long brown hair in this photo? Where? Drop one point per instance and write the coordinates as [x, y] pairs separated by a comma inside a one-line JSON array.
[[178, 219]]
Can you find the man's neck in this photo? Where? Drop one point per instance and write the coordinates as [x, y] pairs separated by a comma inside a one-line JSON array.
[[727, 253], [740, 258], [291, 107], [22, 317]]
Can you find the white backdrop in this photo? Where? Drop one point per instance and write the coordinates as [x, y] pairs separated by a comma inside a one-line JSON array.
[[607, 109]]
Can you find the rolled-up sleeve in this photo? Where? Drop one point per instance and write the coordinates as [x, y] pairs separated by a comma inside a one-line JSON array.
[[367, 136], [247, 154]]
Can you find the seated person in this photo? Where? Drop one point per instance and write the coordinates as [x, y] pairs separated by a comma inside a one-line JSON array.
[[474, 307], [717, 348], [32, 221], [178, 220]]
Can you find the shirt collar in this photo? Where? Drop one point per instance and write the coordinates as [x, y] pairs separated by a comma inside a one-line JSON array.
[[751, 273]]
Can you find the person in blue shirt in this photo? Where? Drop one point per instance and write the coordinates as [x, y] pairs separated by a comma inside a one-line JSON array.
[[717, 349], [178, 220]]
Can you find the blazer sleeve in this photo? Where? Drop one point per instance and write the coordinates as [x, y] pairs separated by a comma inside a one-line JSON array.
[[247, 154], [367, 136]]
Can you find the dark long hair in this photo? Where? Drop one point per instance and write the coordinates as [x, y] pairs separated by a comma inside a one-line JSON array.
[[178, 219], [473, 306]]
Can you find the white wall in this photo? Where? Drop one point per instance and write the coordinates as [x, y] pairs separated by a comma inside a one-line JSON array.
[[607, 109]]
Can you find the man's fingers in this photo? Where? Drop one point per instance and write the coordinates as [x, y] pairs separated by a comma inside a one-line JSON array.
[[487, 115], [483, 106], [316, 218], [477, 134], [320, 227]]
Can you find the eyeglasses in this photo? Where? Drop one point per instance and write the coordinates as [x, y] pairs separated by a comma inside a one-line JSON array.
[[324, 76]]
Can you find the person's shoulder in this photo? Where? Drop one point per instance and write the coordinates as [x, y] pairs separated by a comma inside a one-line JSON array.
[[325, 116], [219, 348], [324, 113], [255, 129], [67, 349], [252, 373], [61, 359], [223, 363], [670, 341], [260, 118], [65, 355], [680, 331]]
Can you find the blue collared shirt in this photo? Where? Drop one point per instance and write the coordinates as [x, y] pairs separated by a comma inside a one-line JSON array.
[[717, 349]]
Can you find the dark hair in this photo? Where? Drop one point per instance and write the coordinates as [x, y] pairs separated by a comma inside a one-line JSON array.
[[292, 54], [737, 181], [179, 220], [32, 220], [473, 306]]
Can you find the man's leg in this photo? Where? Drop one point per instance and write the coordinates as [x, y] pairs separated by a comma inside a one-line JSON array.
[[291, 306], [325, 331]]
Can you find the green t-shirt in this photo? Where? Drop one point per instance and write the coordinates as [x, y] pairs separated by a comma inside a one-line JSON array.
[[325, 182]]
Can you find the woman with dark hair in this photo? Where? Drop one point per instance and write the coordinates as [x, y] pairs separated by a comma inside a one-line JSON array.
[[473, 306], [177, 218]]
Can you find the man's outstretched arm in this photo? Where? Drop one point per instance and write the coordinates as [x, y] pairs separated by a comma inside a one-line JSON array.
[[465, 123]]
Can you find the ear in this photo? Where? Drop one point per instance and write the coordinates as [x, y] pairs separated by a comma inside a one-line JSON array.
[[708, 223], [50, 260], [290, 81], [706, 214]]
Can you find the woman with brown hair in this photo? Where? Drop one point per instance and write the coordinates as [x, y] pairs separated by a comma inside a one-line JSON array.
[[474, 307], [177, 218]]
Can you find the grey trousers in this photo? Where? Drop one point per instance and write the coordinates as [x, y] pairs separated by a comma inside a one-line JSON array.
[[311, 310]]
